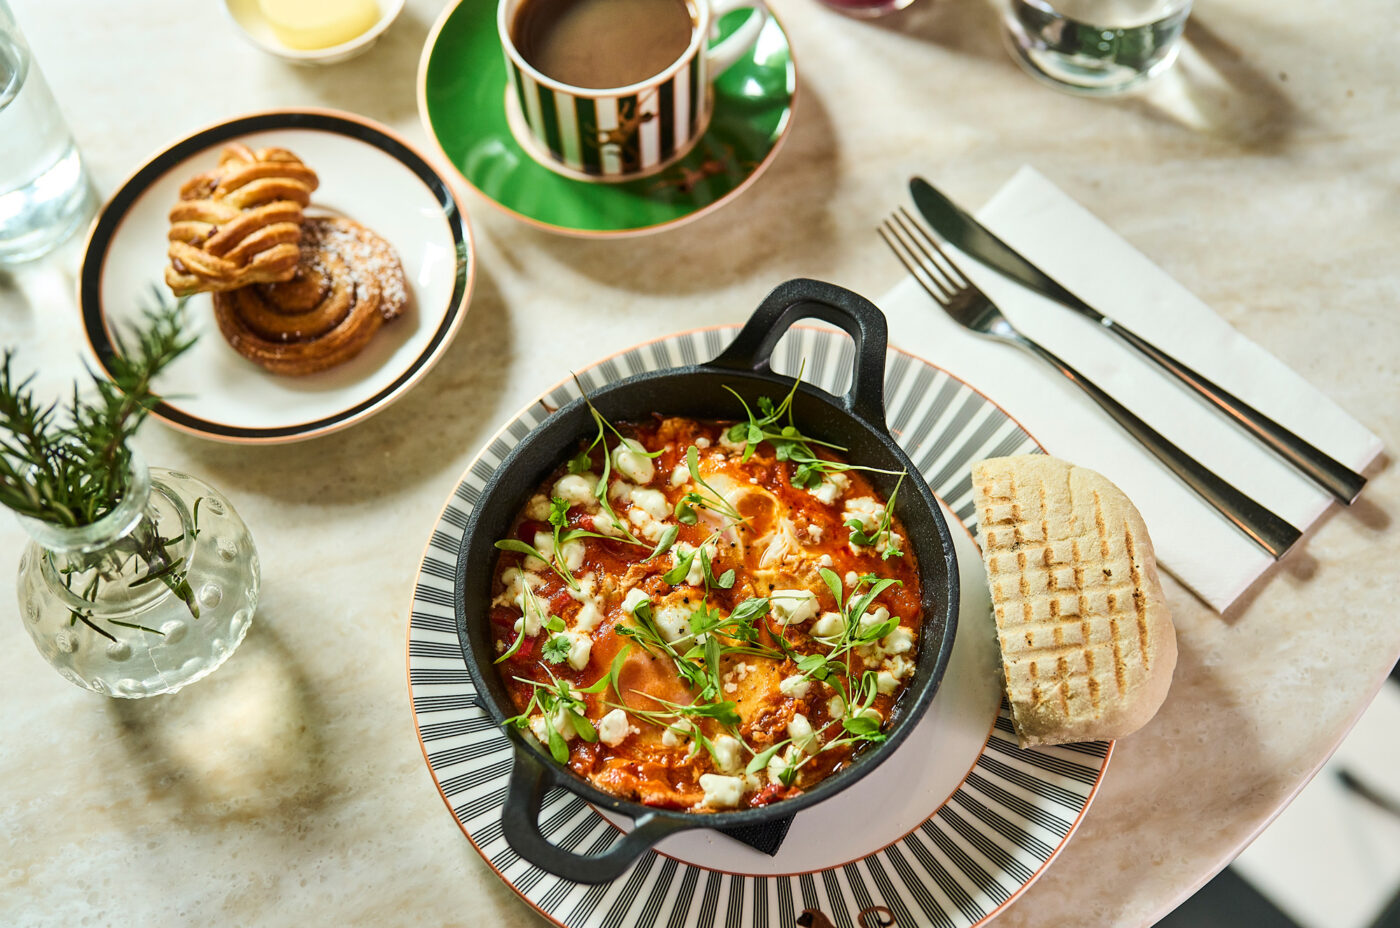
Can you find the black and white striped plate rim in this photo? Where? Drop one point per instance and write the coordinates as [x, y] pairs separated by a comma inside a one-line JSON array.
[[1011, 815]]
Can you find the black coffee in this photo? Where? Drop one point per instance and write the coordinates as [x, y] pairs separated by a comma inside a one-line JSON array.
[[601, 44]]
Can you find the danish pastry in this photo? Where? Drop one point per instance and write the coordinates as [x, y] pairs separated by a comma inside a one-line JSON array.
[[347, 282], [240, 223]]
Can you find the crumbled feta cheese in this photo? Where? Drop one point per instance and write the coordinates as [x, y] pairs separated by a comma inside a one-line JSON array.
[[613, 728], [730, 686], [886, 683], [702, 443], [576, 490], [873, 619], [780, 762], [580, 647], [899, 641], [540, 724], [792, 607], [727, 753], [829, 625], [836, 707], [621, 490], [533, 614], [680, 476], [730, 445], [889, 540], [721, 792], [633, 599], [899, 667], [673, 621], [866, 510], [831, 488], [538, 508], [515, 580], [696, 576], [589, 617], [587, 587], [800, 731], [632, 463], [544, 543], [650, 527], [677, 733], [825, 560], [815, 533], [796, 686], [652, 501]]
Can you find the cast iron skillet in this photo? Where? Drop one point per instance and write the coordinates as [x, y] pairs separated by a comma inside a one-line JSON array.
[[856, 421]]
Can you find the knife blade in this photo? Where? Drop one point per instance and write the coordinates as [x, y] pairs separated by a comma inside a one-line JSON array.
[[972, 238]]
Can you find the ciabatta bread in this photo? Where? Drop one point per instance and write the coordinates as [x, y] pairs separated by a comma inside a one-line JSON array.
[[1086, 638]]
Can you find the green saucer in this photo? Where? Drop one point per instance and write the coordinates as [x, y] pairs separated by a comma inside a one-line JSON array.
[[461, 98]]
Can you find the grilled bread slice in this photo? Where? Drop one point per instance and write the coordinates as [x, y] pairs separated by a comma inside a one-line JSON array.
[[1086, 638]]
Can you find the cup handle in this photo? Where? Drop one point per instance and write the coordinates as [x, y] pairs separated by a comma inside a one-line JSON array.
[[723, 54]]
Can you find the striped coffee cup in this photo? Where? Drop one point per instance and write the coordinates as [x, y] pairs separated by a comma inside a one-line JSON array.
[[627, 132]]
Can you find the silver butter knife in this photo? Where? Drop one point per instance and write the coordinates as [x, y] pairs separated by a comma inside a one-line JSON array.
[[972, 238]]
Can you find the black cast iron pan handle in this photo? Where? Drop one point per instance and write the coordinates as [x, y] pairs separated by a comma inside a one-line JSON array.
[[803, 298], [530, 779]]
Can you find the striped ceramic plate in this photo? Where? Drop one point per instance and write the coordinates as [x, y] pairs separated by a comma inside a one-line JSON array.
[[946, 832]]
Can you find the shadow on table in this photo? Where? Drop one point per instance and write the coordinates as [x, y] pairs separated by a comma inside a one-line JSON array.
[[380, 84], [445, 416], [790, 201], [1298, 563], [242, 745], [1215, 90]]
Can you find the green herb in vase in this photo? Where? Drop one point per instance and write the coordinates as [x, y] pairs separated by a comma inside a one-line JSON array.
[[137, 581]]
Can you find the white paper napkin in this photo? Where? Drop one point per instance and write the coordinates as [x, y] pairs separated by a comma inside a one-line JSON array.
[[1069, 243]]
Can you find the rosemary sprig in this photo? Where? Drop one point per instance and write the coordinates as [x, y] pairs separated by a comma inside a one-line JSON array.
[[69, 465]]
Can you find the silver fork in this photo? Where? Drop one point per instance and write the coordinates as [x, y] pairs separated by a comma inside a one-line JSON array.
[[969, 307]]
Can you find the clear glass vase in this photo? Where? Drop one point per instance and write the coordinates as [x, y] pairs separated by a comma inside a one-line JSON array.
[[151, 597]]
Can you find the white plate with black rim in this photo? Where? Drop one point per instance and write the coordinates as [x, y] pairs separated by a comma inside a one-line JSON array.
[[947, 831], [367, 174]]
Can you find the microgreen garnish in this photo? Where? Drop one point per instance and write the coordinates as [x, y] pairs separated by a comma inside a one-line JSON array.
[[789, 443], [562, 705], [715, 501], [882, 529], [680, 719]]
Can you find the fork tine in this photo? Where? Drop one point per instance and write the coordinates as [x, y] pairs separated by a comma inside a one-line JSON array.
[[909, 263], [924, 240], [931, 270], [890, 233], [927, 262]]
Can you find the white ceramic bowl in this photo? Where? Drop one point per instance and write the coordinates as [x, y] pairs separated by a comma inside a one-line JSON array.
[[247, 16]]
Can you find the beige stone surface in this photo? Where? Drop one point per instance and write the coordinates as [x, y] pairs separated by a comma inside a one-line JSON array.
[[289, 788]]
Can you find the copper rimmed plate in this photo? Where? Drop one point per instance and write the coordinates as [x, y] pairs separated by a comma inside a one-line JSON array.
[[366, 173], [952, 827]]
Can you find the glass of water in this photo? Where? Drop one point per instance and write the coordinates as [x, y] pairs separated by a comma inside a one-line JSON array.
[[1094, 46], [44, 191]]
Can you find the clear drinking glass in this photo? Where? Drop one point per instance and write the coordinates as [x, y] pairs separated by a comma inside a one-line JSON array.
[[44, 191], [1094, 46]]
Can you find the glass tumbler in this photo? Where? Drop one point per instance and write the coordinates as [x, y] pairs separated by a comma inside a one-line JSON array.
[[1094, 46], [44, 191]]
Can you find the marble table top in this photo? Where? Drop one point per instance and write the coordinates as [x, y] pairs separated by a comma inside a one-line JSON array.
[[289, 787]]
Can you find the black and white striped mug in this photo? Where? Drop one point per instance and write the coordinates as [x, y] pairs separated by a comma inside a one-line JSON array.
[[622, 133]]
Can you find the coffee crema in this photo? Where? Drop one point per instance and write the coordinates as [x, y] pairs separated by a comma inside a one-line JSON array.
[[602, 44]]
